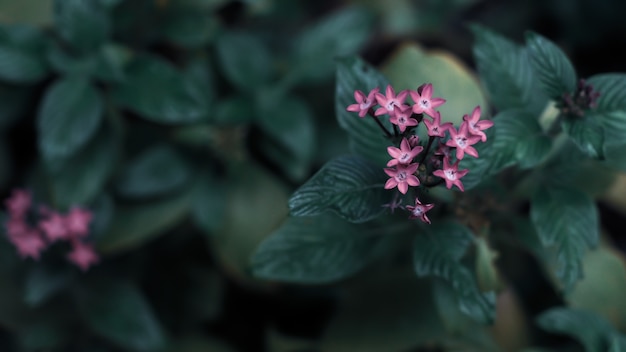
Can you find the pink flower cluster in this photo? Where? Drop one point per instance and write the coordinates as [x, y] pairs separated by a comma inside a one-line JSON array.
[[443, 162], [31, 240]]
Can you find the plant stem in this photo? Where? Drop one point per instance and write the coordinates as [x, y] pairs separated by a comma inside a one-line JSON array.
[[380, 124], [427, 149]]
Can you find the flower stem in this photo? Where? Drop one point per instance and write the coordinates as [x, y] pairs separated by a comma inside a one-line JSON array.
[[380, 124], [427, 149]]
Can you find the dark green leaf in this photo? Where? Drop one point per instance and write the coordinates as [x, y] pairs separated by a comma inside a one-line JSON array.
[[438, 252], [190, 29], [47, 332], [318, 46], [518, 135], [19, 66], [43, 282], [366, 138], [68, 117], [245, 61], [588, 328], [81, 178], [156, 171], [173, 98], [110, 62], [15, 102], [568, 220], [506, 72], [349, 186], [233, 110], [119, 312], [84, 24], [587, 133], [208, 203], [551, 65], [314, 250], [133, 225]]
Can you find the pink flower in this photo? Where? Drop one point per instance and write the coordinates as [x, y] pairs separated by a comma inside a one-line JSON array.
[[82, 255], [414, 141], [463, 141], [18, 203], [16, 227], [54, 227], [419, 211], [402, 118], [476, 127], [424, 102], [363, 103], [451, 174], [29, 244], [404, 155], [443, 149], [77, 222], [436, 128], [390, 102], [402, 177]]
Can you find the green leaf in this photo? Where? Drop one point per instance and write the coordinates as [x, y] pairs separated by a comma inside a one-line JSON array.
[[438, 252], [15, 102], [568, 220], [133, 225], [69, 116], [43, 282], [590, 329], [156, 171], [349, 186], [119, 312], [79, 179], [173, 98], [553, 68], [318, 46], [291, 130], [82, 23], [19, 66], [314, 250], [245, 61], [519, 135], [190, 29], [587, 133], [208, 203], [506, 72], [365, 137], [233, 111]]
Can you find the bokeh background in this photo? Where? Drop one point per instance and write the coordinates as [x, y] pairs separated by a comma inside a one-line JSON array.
[[211, 112]]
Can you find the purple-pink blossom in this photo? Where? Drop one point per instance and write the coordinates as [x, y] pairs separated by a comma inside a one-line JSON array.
[[402, 177], [402, 118], [462, 140], [390, 102], [403, 155], [435, 127], [18, 203], [424, 101], [475, 126], [451, 174], [82, 255], [418, 211], [363, 102]]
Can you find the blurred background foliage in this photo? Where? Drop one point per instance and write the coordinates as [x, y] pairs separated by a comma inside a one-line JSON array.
[[184, 125]]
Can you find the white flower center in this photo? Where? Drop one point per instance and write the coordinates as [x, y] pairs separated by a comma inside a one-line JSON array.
[[401, 120], [365, 106], [391, 105], [405, 157], [450, 174], [461, 141], [425, 103], [401, 176], [418, 211]]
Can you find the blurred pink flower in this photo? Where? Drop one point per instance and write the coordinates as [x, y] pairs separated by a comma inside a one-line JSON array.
[[414, 141], [54, 227], [404, 155], [363, 103], [18, 203], [402, 177], [419, 211], [476, 127], [82, 255], [451, 174], [29, 243], [77, 222], [424, 101]]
